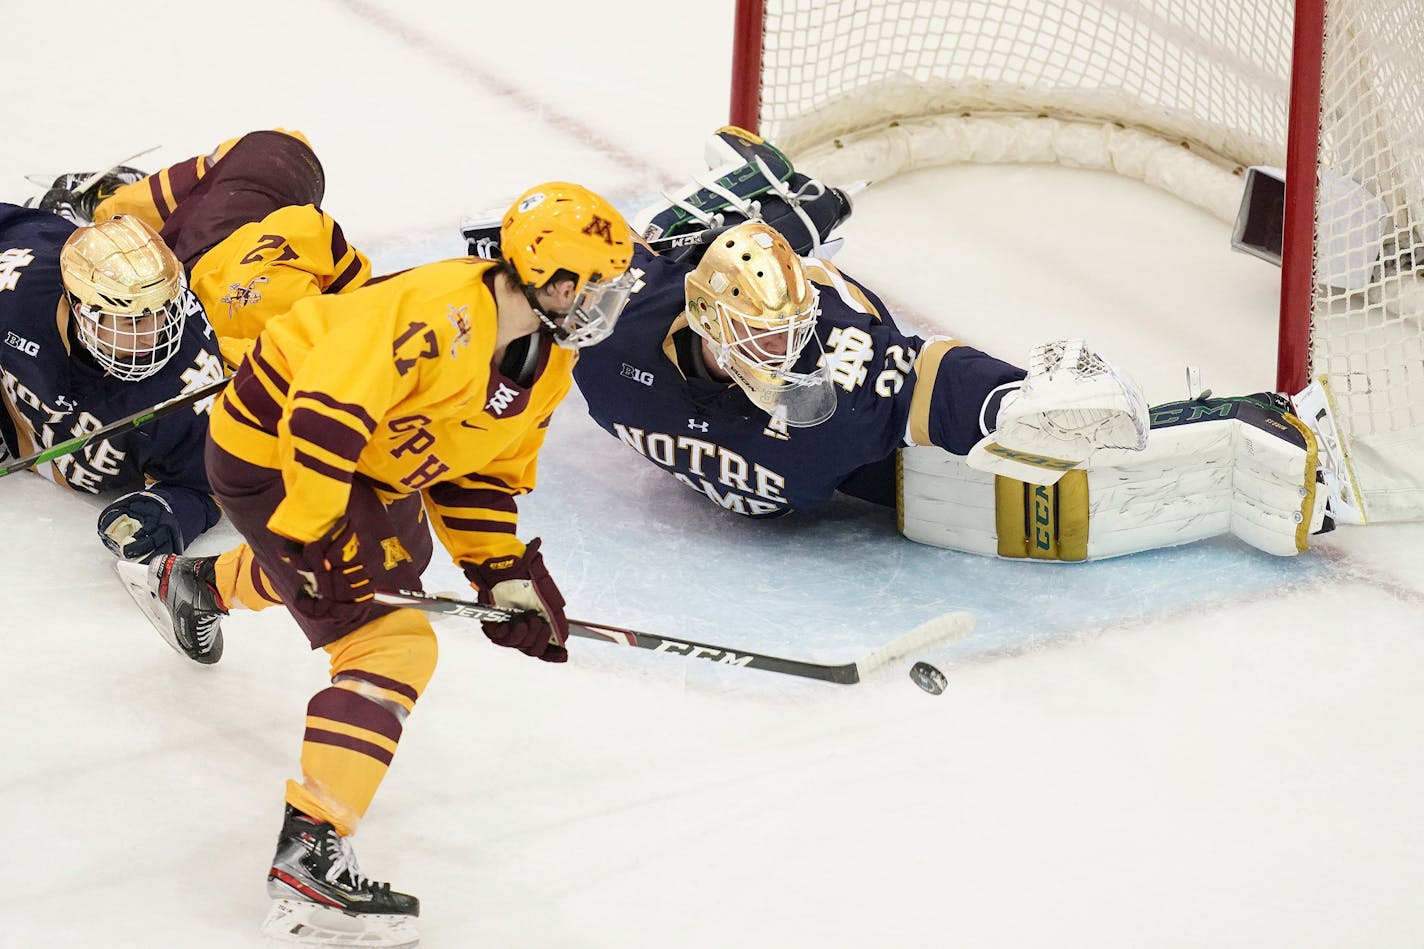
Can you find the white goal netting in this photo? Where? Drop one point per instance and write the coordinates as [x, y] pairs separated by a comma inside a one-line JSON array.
[[1181, 94]]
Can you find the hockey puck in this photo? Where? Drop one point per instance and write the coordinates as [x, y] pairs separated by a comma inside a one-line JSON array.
[[928, 678]]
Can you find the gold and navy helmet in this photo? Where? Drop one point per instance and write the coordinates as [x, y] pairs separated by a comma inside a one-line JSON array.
[[128, 295], [749, 298]]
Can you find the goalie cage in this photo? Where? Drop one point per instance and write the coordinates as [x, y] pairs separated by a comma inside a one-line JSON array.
[[1184, 95]]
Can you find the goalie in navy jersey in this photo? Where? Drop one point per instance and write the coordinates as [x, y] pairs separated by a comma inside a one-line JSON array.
[[768, 382], [97, 323]]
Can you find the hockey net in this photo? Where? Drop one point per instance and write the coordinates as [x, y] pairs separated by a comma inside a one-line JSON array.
[[1183, 95]]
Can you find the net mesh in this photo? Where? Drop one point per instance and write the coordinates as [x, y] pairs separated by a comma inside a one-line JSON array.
[[1211, 75]]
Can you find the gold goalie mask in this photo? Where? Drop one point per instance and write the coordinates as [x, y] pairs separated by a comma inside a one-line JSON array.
[[750, 299], [127, 294]]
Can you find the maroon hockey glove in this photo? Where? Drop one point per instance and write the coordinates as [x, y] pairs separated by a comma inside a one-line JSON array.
[[523, 583], [331, 565]]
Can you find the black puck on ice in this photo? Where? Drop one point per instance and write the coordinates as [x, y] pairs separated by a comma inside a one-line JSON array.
[[928, 678]]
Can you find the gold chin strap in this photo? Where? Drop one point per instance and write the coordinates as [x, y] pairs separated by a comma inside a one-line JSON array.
[[1043, 522]]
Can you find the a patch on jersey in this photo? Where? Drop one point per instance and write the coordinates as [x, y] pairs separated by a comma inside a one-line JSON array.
[[697, 426], [776, 428], [16, 341], [500, 399], [11, 260], [637, 375], [460, 319], [240, 295], [848, 350], [395, 554], [206, 369]]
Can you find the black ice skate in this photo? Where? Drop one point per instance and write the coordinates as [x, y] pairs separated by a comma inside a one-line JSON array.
[[180, 598], [70, 199], [322, 897]]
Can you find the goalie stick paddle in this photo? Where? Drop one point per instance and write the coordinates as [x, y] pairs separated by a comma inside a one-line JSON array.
[[71, 445], [948, 627]]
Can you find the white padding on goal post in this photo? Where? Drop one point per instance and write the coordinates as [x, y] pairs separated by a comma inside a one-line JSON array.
[[909, 144]]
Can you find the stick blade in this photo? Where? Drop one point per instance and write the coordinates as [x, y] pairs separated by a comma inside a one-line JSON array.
[[945, 628]]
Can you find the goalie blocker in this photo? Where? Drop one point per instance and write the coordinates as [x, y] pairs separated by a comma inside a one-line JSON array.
[[1244, 466]]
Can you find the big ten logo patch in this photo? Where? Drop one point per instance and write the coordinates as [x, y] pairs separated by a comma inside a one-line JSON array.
[[637, 375], [417, 444], [16, 341]]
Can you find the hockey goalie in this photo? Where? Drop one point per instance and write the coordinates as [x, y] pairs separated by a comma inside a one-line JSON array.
[[755, 372]]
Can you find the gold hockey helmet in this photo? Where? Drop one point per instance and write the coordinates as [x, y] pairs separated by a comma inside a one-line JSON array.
[[750, 299], [128, 295], [559, 227]]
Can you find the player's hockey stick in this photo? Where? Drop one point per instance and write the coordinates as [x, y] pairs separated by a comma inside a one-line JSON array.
[[71, 445], [945, 628]]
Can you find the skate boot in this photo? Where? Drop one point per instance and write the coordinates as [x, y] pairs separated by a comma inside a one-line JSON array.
[[180, 598], [72, 200], [322, 898]]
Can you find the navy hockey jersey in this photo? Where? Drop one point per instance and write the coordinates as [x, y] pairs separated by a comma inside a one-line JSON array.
[[892, 389], [52, 390]]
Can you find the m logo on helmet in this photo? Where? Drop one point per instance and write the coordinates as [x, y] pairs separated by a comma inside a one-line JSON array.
[[599, 227]]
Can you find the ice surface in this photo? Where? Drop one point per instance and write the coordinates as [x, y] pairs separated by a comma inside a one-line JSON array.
[[1197, 747]]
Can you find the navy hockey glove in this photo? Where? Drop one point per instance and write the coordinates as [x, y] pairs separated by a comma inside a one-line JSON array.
[[161, 519], [331, 565], [523, 583]]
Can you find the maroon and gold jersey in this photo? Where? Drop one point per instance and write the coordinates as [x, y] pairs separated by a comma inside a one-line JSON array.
[[394, 383], [264, 267], [156, 197]]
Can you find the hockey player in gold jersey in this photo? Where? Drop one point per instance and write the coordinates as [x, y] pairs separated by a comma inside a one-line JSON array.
[[354, 416], [246, 222]]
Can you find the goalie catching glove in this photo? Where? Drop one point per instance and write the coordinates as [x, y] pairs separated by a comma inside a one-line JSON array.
[[523, 583], [1072, 403]]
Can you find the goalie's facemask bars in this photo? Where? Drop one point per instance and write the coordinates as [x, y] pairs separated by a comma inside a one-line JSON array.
[[760, 360]]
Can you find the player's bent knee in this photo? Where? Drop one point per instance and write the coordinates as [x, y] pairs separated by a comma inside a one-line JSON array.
[[397, 651]]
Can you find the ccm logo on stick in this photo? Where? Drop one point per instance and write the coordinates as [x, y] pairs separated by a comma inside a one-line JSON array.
[[702, 652]]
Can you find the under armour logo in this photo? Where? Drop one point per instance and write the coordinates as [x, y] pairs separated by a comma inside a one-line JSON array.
[[697, 426], [500, 400]]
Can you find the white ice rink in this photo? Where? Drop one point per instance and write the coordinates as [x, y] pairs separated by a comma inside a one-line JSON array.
[[1205, 747]]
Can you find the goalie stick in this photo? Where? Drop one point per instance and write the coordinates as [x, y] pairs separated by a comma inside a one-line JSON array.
[[948, 627], [71, 445]]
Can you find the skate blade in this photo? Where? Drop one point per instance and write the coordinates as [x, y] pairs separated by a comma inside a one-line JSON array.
[[312, 924], [135, 580]]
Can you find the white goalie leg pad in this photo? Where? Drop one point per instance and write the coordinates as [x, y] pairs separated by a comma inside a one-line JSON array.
[[1072, 403], [1194, 480]]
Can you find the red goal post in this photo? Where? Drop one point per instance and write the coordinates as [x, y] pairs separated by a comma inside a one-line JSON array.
[[1185, 95]]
